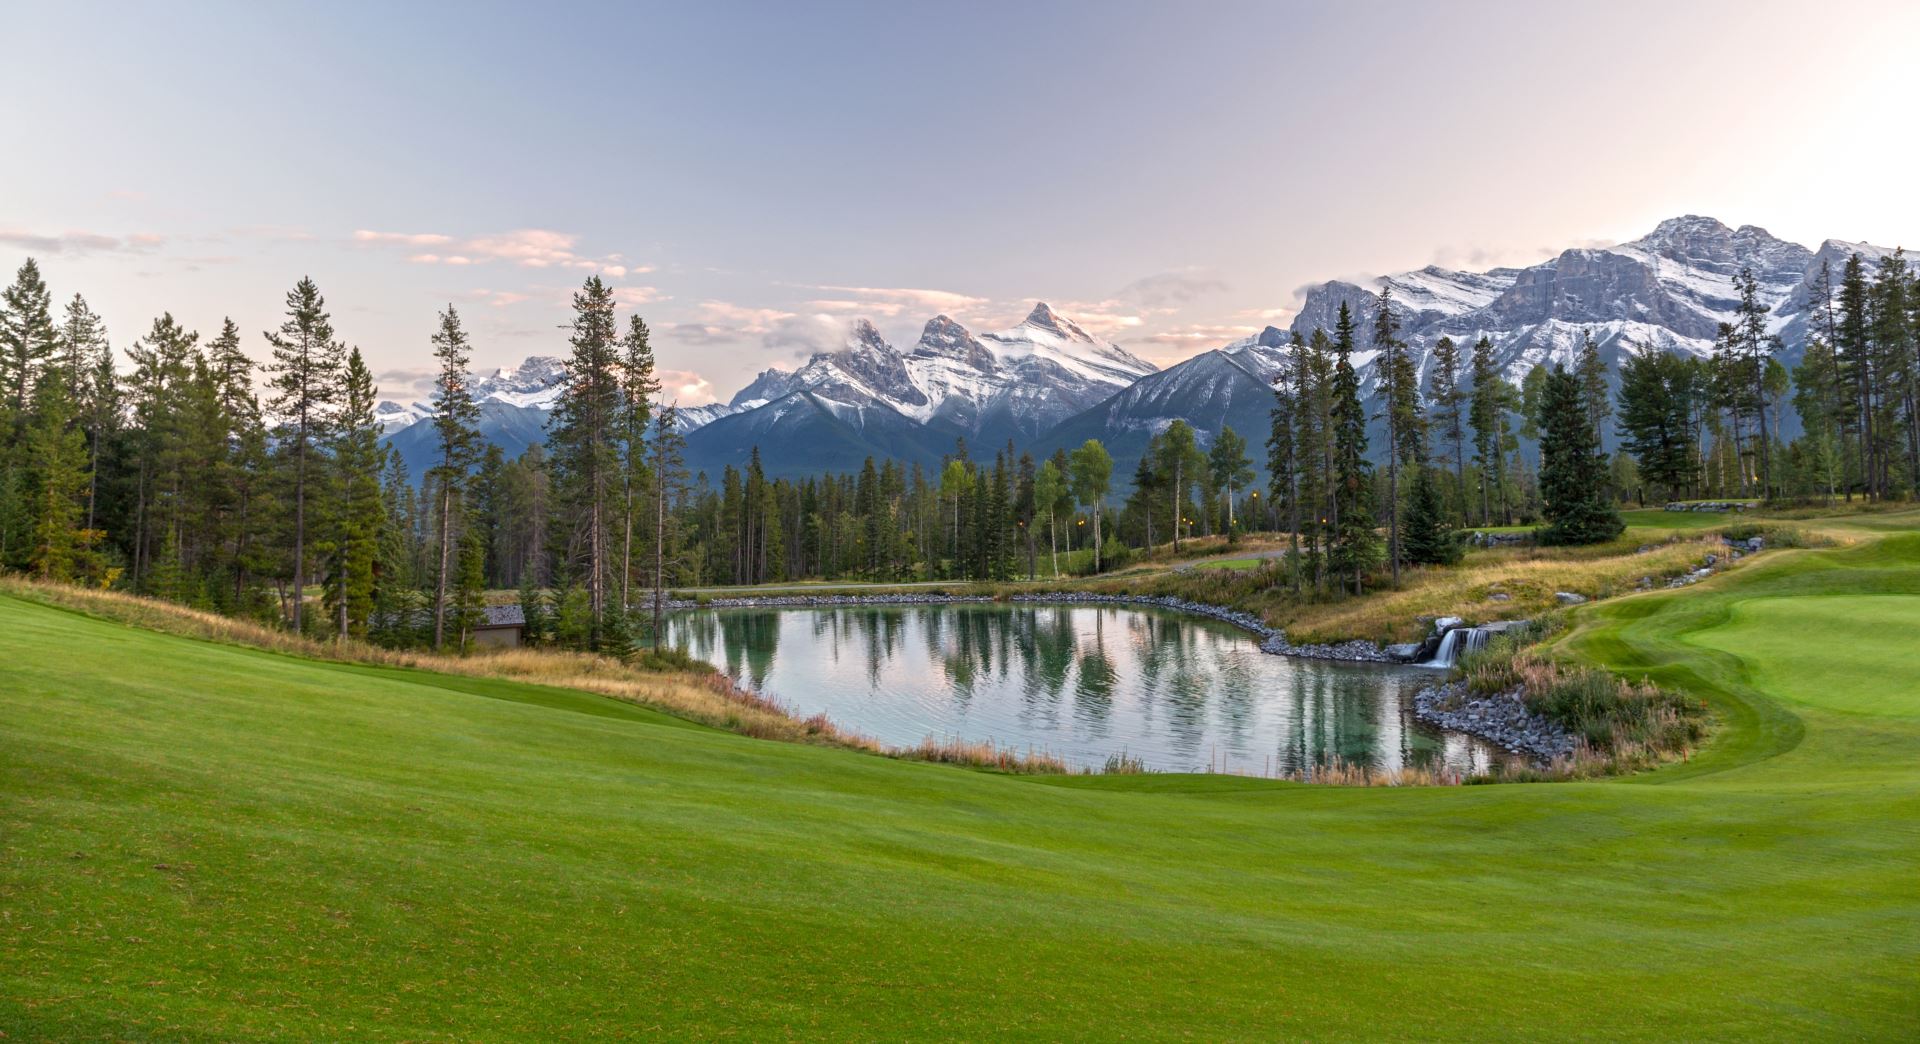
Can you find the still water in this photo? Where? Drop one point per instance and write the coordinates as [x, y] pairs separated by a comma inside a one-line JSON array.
[[1082, 682]]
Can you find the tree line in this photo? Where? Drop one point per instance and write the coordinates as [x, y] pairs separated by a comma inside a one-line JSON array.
[[195, 475]]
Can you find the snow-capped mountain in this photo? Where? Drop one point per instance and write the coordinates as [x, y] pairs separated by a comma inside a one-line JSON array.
[[1667, 291], [1047, 382], [534, 384], [1015, 384]]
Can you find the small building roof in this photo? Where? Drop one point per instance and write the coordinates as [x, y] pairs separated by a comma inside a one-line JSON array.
[[504, 616]]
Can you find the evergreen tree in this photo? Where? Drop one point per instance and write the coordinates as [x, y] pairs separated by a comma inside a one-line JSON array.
[[1449, 414], [1853, 345], [1657, 404], [1754, 352], [1430, 540], [581, 434], [28, 341], [1354, 548], [360, 513], [1283, 452], [455, 420], [1573, 470], [58, 477], [1592, 372], [1406, 440], [1487, 414], [638, 387], [305, 380], [669, 475]]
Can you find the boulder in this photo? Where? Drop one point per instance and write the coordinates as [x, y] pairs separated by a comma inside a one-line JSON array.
[[1569, 597], [1404, 653], [1447, 623]]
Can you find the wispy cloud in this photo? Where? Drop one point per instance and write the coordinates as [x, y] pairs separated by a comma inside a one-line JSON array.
[[77, 243], [744, 318], [890, 302], [499, 298], [1168, 290], [526, 248]]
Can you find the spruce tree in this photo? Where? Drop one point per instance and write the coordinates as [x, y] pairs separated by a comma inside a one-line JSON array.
[[1573, 470], [360, 510], [1400, 390], [581, 435], [1283, 453], [455, 426], [638, 387], [1657, 403], [58, 477], [1429, 539], [28, 341], [305, 380], [1487, 415], [1448, 415], [668, 471], [1853, 344], [1355, 547]]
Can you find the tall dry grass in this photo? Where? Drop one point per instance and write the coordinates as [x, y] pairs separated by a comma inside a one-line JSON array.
[[707, 697], [952, 750]]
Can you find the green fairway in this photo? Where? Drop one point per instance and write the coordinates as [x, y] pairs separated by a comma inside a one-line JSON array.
[[207, 842], [1230, 563]]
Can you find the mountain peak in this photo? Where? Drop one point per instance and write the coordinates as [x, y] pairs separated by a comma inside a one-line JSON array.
[[945, 338], [1045, 318]]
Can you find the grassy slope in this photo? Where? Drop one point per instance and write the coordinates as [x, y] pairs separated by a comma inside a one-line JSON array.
[[205, 841]]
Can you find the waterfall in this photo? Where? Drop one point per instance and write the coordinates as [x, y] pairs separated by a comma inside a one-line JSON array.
[[1455, 642]]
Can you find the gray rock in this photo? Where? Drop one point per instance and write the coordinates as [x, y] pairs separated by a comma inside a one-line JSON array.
[[1500, 596], [1405, 652], [1569, 597]]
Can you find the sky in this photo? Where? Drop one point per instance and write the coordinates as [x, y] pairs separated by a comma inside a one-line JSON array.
[[752, 177]]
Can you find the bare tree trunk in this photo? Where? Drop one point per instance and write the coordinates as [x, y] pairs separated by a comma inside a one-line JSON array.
[[440, 582]]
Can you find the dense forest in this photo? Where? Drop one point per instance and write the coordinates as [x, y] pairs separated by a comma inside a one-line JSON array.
[[194, 474]]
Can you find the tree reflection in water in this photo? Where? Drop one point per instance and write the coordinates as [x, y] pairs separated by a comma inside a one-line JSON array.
[[1081, 681]]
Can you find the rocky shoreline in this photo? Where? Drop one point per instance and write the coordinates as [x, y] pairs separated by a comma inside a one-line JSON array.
[[1501, 719]]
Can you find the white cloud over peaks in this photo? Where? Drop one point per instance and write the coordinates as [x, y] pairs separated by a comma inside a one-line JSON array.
[[686, 387]]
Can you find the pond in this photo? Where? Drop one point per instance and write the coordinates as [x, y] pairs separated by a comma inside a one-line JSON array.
[[1082, 682]]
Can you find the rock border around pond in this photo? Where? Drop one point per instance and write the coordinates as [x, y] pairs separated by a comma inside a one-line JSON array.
[[1502, 720]]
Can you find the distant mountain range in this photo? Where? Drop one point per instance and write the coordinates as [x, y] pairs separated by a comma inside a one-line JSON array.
[[1047, 383]]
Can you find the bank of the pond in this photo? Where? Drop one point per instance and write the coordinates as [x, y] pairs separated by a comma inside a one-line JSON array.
[[1503, 722], [1271, 639], [1094, 682]]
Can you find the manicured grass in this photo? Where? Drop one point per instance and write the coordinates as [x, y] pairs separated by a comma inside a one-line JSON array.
[[1230, 563], [199, 841]]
